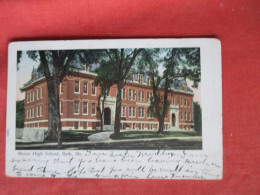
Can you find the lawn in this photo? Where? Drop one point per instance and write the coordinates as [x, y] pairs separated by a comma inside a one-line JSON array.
[[149, 134], [69, 136]]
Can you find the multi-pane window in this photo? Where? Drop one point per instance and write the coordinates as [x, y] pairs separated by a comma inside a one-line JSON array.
[[131, 111], [85, 125], [27, 113], [85, 87], [36, 112], [188, 102], [61, 88], [76, 124], [40, 110], [181, 101], [172, 100], [185, 116], [37, 93], [150, 113], [140, 112], [140, 79], [93, 89], [149, 96], [140, 96], [181, 116], [131, 94], [28, 97], [76, 86], [185, 102], [32, 112], [123, 93], [33, 96], [189, 116], [123, 111], [76, 107], [85, 108], [93, 108]]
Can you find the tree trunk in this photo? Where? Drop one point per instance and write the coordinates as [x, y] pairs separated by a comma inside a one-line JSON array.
[[54, 126], [118, 108], [161, 124]]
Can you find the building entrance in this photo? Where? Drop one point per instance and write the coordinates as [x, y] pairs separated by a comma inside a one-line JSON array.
[[173, 120], [107, 116]]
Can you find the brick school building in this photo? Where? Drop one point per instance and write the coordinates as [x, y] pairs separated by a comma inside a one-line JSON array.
[[78, 104]]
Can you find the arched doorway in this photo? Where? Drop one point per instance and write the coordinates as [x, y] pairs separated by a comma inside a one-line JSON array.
[[173, 120], [107, 116]]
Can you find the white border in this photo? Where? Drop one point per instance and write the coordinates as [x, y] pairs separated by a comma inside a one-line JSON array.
[[211, 85]]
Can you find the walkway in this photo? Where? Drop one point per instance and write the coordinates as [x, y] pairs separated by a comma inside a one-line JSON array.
[[102, 136]]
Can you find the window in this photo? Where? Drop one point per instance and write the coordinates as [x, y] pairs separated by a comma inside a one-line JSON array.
[[32, 112], [61, 88], [188, 102], [185, 116], [33, 96], [140, 96], [61, 107], [28, 98], [85, 108], [131, 94], [185, 102], [108, 92], [140, 112], [181, 116], [93, 108], [37, 112], [27, 113], [133, 126], [150, 113], [93, 89], [76, 107], [123, 93], [41, 92], [40, 110], [85, 87], [140, 79], [37, 93], [76, 86], [189, 116], [172, 100], [85, 125], [149, 96], [123, 111], [131, 111], [76, 124], [181, 102]]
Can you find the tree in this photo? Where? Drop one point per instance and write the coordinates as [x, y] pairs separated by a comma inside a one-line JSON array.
[[104, 81], [55, 64], [20, 114], [119, 62], [197, 118], [178, 63]]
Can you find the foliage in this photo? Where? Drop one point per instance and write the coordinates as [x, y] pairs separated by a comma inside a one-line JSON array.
[[197, 119], [20, 114]]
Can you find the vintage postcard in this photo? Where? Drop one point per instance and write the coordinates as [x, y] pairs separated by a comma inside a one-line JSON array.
[[129, 108]]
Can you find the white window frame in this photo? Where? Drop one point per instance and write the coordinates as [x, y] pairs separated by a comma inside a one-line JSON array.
[[37, 93], [27, 113], [123, 91], [123, 110], [84, 102], [61, 105], [36, 111], [93, 84], [74, 107], [92, 108], [84, 87], [140, 112], [41, 92], [75, 87], [61, 87]]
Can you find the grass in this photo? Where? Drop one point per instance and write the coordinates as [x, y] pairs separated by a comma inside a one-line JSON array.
[[69, 136], [149, 134]]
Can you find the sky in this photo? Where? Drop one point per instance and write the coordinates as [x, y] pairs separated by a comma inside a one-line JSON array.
[[26, 65]]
